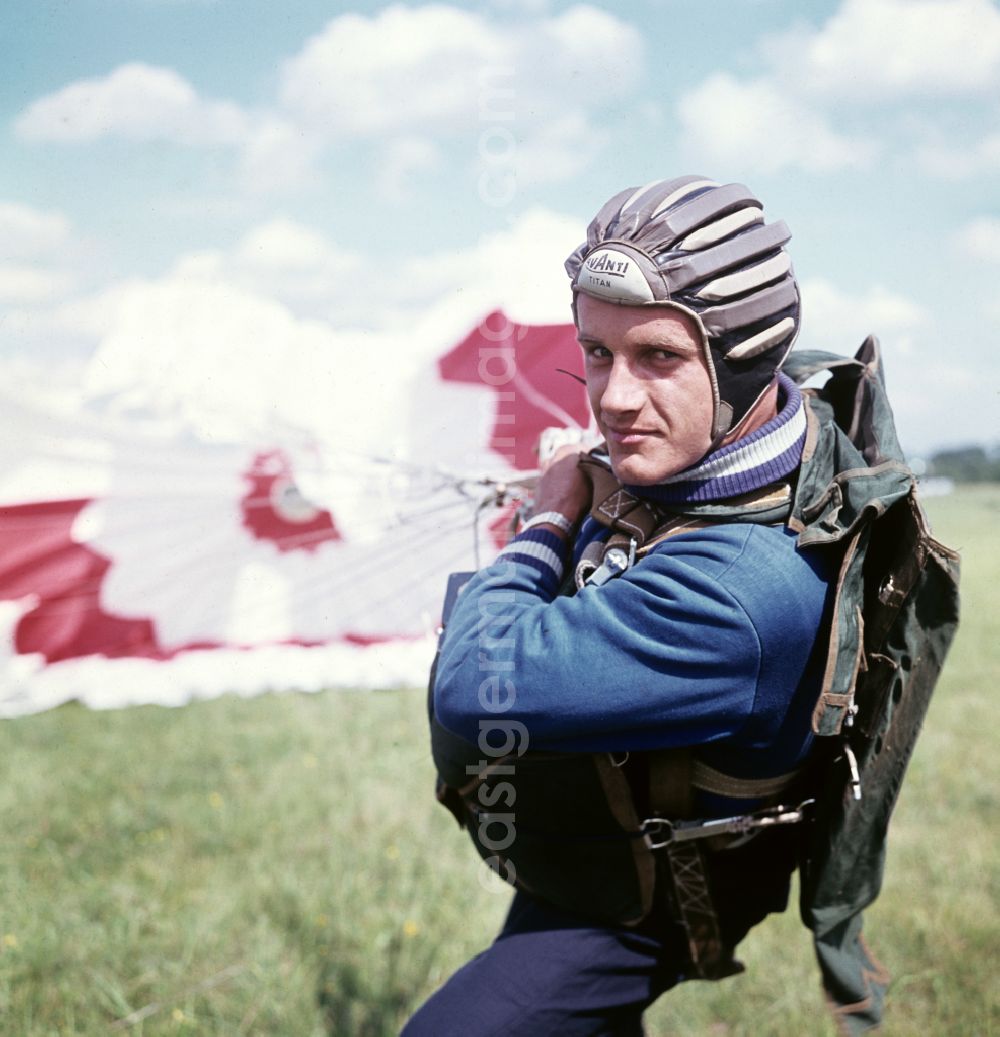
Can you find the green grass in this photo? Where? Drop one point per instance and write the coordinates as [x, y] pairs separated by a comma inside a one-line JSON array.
[[278, 866]]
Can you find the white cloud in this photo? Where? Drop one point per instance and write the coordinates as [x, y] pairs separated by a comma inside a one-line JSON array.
[[589, 48], [32, 244], [838, 320], [829, 97], [282, 245], [277, 154], [756, 124], [136, 102], [980, 239], [290, 263], [557, 150], [895, 48], [403, 69], [427, 296], [404, 75], [413, 72], [530, 7], [144, 103], [214, 356], [518, 270], [55, 330], [26, 232], [31, 285]]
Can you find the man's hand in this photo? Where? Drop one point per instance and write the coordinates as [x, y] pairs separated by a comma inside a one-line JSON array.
[[563, 486]]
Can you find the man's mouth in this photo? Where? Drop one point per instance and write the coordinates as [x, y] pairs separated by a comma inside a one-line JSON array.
[[626, 436]]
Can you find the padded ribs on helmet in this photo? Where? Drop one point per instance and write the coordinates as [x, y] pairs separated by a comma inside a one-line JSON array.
[[757, 307], [742, 281], [713, 233], [762, 341], [692, 268]]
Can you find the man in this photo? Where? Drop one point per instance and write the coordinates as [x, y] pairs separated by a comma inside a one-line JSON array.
[[670, 642]]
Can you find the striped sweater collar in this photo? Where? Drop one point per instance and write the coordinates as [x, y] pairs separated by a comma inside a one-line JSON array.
[[765, 456]]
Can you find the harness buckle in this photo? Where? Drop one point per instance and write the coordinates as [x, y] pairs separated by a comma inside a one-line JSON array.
[[852, 763], [616, 561], [657, 832]]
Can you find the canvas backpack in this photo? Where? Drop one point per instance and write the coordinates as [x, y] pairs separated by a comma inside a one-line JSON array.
[[895, 615]]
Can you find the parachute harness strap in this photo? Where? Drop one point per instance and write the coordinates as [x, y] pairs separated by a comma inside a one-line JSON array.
[[671, 794], [634, 525], [637, 527], [674, 774]]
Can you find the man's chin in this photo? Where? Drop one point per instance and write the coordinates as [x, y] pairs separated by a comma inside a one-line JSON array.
[[631, 471]]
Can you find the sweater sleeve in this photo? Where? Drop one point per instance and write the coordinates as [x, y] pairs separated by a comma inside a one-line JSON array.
[[665, 655]]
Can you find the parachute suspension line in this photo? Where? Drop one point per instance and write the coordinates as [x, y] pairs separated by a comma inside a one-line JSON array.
[[416, 518], [476, 515], [319, 579], [386, 563], [430, 572], [190, 558], [502, 493], [403, 518]]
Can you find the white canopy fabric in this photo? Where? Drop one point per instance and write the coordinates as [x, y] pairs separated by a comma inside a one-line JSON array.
[[141, 561]]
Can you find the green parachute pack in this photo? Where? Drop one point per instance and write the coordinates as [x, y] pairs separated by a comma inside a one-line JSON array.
[[895, 616]]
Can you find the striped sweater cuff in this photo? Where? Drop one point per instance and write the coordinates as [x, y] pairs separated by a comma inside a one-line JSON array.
[[540, 549]]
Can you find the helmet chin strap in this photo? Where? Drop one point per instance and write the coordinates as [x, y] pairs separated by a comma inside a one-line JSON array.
[[722, 424], [761, 411]]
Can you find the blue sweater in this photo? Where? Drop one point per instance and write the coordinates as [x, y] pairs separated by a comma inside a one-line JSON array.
[[715, 639]]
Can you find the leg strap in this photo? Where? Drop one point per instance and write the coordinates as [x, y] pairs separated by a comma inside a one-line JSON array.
[[671, 794], [696, 912]]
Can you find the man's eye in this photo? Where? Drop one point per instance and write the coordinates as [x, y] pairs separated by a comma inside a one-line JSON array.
[[598, 353]]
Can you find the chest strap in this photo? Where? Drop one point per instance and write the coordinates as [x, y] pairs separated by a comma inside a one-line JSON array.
[[637, 526]]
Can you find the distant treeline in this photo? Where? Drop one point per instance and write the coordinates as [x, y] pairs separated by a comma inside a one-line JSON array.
[[966, 464]]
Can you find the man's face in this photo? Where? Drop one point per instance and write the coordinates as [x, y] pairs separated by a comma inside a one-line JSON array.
[[649, 387]]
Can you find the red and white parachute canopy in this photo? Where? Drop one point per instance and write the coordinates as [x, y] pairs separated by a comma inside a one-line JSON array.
[[143, 564]]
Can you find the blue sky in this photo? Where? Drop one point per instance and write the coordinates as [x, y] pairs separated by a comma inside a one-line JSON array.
[[192, 191]]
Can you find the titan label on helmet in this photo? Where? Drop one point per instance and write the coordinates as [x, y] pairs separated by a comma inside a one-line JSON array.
[[610, 274]]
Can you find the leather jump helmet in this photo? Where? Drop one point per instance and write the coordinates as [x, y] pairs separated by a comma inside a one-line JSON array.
[[704, 249]]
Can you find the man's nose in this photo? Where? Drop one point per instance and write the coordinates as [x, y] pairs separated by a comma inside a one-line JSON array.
[[623, 391]]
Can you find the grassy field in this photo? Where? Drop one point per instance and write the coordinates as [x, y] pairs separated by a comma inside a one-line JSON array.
[[277, 866]]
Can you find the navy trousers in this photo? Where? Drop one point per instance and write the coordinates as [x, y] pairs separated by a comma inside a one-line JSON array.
[[553, 974]]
